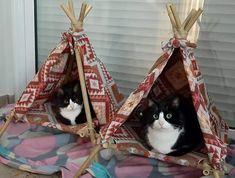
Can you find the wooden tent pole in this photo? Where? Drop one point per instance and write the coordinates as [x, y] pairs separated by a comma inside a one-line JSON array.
[[87, 162], [188, 18], [181, 30], [77, 25], [207, 170], [82, 12], [171, 16], [176, 16], [9, 118], [71, 7], [85, 96], [193, 20], [88, 9], [69, 15]]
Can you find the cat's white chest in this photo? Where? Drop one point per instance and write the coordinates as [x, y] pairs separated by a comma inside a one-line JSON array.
[[71, 113], [162, 140]]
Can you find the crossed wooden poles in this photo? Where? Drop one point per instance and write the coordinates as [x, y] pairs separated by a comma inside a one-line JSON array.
[[181, 29]]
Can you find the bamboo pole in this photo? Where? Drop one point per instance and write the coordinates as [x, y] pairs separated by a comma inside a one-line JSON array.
[[206, 168], [71, 7], [80, 66], [216, 174], [176, 16], [85, 96], [93, 153], [178, 30], [82, 12], [9, 118], [69, 15], [188, 18], [171, 16], [88, 9], [77, 25], [181, 30], [193, 20]]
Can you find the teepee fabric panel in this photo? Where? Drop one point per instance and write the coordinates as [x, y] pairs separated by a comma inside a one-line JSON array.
[[211, 123], [44, 83], [136, 96], [104, 94], [179, 75]]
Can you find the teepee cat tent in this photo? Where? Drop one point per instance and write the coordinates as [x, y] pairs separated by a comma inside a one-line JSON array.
[[73, 57], [175, 72]]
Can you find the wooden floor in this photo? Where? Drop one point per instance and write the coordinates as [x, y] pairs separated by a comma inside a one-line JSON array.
[[8, 172]]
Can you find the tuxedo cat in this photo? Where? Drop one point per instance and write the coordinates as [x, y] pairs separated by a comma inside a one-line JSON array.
[[171, 126], [68, 104]]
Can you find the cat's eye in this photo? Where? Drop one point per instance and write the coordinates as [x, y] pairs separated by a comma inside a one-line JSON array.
[[155, 116], [168, 116]]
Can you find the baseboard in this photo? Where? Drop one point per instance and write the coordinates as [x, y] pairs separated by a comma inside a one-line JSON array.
[[6, 99]]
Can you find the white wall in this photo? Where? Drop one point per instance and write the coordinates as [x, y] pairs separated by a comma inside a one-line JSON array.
[[17, 47], [6, 56]]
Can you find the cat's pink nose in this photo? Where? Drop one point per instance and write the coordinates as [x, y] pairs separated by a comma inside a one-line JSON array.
[[161, 123]]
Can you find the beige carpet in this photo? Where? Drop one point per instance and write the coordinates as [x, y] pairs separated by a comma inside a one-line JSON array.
[[8, 172]]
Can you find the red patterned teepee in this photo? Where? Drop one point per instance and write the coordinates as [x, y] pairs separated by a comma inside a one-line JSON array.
[[175, 71], [103, 92]]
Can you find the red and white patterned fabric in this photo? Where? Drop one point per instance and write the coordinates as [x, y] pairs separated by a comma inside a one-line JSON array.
[[176, 71], [103, 91]]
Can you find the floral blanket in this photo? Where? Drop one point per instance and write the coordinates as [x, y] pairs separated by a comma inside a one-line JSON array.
[[46, 150]]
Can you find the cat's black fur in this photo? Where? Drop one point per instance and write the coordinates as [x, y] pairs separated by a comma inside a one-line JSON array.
[[71, 90], [183, 116]]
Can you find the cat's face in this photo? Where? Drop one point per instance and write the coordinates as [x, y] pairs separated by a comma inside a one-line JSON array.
[[164, 115], [70, 96]]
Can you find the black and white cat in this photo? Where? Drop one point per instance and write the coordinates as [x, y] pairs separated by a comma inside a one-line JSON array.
[[171, 126], [68, 104]]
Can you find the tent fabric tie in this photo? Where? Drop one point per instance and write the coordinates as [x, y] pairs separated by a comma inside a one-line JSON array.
[[176, 43]]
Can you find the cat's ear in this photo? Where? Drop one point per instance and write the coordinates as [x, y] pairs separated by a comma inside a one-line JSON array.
[[60, 92], [76, 88], [150, 103], [175, 102]]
